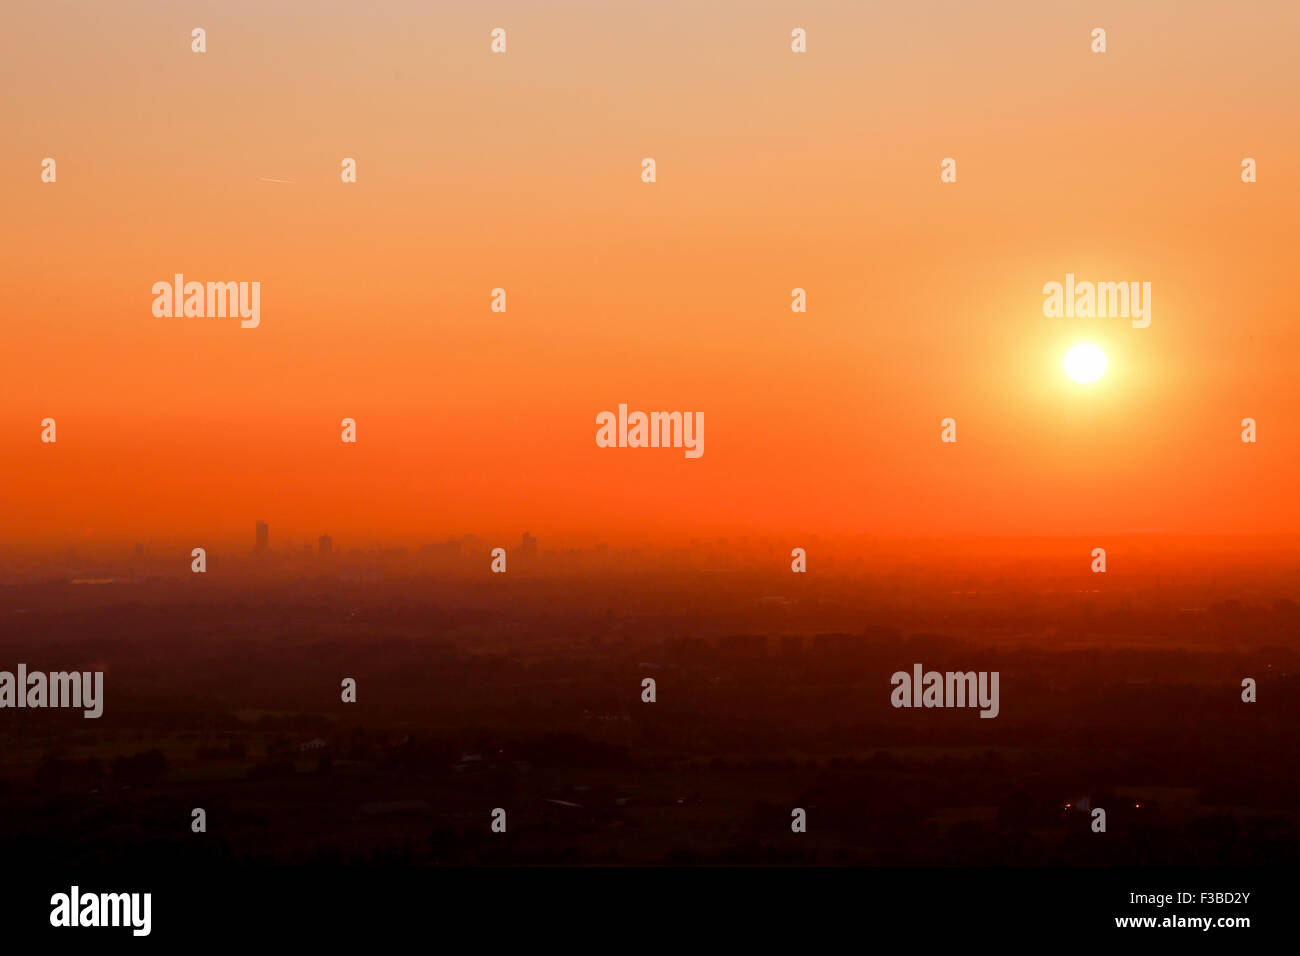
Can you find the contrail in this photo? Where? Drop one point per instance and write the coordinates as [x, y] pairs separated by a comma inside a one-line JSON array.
[[267, 179]]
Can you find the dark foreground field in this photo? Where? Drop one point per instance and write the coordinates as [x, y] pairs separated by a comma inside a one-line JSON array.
[[463, 708]]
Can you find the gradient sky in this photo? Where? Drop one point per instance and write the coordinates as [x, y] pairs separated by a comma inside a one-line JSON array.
[[523, 171]]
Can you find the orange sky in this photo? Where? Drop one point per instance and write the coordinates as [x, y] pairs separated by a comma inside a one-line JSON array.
[[775, 170]]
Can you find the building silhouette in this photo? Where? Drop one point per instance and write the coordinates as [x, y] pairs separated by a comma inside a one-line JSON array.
[[325, 544], [263, 537]]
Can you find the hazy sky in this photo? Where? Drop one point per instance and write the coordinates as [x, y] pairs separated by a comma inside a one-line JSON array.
[[522, 171]]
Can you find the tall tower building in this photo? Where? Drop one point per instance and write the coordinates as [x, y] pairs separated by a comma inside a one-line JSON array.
[[263, 537], [326, 544]]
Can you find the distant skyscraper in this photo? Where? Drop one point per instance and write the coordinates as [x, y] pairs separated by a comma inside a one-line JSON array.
[[263, 537], [326, 544], [529, 546]]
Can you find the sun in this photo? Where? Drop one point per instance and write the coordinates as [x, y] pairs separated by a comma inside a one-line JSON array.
[[1085, 363]]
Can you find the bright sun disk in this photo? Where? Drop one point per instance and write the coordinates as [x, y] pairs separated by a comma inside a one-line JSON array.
[[1085, 363]]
